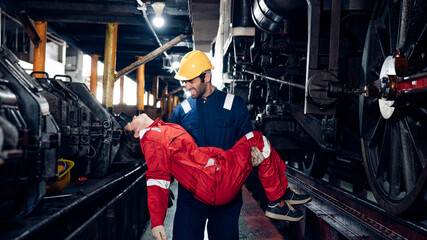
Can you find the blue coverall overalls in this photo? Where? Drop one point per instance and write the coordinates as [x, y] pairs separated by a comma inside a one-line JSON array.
[[218, 121]]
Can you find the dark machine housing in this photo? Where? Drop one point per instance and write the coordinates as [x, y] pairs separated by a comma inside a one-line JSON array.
[[30, 139]]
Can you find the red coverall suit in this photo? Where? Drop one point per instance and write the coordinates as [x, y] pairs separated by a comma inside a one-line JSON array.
[[204, 171]]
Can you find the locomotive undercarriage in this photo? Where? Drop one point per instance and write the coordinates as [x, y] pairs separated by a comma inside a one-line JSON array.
[[333, 100]]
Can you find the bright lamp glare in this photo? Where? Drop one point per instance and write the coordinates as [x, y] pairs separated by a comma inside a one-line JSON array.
[[175, 65], [158, 21]]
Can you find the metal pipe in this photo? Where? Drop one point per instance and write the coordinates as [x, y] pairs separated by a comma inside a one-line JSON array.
[[1, 27], [155, 90], [143, 7], [276, 80], [94, 73], [140, 77], [163, 101], [40, 51], [334, 42], [150, 56], [109, 64]]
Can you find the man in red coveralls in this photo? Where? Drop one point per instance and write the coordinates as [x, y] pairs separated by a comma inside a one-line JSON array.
[[206, 172]]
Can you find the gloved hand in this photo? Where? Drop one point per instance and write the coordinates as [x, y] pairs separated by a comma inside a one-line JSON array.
[[257, 157], [171, 198], [159, 233]]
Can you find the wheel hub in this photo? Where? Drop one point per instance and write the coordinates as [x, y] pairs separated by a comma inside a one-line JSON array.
[[388, 71]]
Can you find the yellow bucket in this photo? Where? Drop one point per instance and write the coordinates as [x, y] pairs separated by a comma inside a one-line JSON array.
[[64, 167]]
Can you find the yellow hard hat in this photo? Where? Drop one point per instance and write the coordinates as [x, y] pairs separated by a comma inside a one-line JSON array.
[[192, 65], [64, 167]]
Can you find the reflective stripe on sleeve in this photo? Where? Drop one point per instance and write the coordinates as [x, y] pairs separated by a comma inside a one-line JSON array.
[[266, 150], [157, 182], [228, 103], [186, 106], [249, 135]]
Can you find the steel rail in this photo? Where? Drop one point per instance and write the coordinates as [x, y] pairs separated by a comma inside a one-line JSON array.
[[348, 214]]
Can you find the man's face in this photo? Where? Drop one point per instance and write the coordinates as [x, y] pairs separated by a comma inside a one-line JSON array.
[[138, 123], [195, 87]]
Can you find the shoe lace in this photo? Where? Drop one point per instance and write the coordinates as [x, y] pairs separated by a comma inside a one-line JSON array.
[[290, 206]]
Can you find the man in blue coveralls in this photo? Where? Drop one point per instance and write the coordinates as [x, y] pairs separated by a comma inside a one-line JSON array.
[[214, 119]]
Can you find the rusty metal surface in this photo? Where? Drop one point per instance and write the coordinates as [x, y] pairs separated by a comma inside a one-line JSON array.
[[352, 217]]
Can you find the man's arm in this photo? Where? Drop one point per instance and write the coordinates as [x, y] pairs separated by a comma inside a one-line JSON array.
[[158, 180], [176, 115]]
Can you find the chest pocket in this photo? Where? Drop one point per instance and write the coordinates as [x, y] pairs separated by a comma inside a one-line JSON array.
[[223, 123], [191, 126]]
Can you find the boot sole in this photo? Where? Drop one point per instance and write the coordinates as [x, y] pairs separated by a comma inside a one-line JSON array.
[[282, 217], [296, 202]]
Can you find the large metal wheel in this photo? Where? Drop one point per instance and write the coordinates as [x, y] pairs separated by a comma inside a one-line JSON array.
[[314, 163], [394, 133]]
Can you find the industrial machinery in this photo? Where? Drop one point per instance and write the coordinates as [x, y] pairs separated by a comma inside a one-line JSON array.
[[89, 134], [338, 86], [42, 121], [29, 139]]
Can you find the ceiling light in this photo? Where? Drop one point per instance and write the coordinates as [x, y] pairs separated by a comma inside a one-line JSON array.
[[175, 62], [175, 65], [158, 20]]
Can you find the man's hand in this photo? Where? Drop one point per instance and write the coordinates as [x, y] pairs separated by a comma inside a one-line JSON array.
[[159, 233], [257, 157]]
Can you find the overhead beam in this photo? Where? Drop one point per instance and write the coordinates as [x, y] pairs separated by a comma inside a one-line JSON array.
[[53, 15], [150, 56], [97, 7]]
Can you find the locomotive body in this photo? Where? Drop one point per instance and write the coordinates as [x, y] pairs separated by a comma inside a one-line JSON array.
[[337, 86]]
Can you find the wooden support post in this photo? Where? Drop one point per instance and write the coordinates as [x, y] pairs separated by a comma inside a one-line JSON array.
[[175, 101], [170, 106], [94, 73], [40, 51], [109, 65], [122, 84], [140, 77], [148, 98]]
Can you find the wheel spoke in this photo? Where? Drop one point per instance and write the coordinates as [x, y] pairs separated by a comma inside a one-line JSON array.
[[380, 44], [377, 135], [417, 138], [382, 137], [409, 171], [411, 51], [395, 158]]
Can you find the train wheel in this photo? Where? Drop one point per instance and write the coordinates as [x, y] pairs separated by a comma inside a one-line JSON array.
[[394, 133], [314, 164]]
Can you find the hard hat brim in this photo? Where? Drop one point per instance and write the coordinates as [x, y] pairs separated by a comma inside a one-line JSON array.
[[180, 78]]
